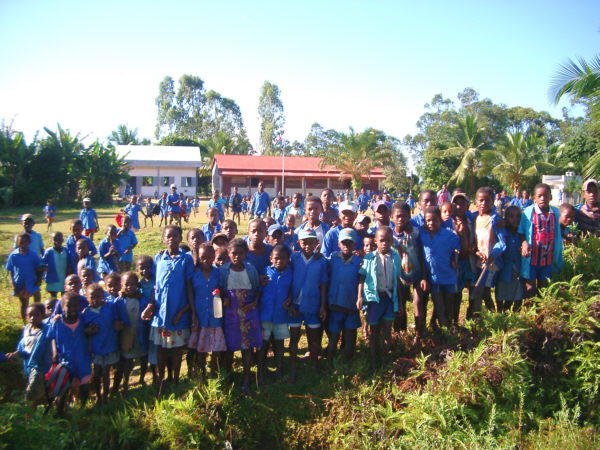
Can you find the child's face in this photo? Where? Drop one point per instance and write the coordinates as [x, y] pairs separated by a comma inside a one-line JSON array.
[[382, 215], [296, 199], [567, 217], [525, 195], [71, 307], [144, 268], [72, 283], [542, 198], [221, 258], [82, 249], [213, 216], [86, 205], [126, 222], [49, 306], [34, 316], [313, 211], [401, 218], [133, 200], [461, 206], [28, 225], [87, 276], [77, 229], [23, 243], [308, 246], [347, 247], [383, 241], [347, 218], [483, 202], [257, 232], [326, 198], [513, 218], [428, 199], [206, 257], [369, 244], [433, 222], [290, 221], [237, 256], [195, 239], [361, 227], [220, 242], [95, 297], [280, 203], [57, 240], [280, 260], [172, 239], [276, 238], [111, 233], [446, 211], [112, 287], [129, 285], [230, 228]]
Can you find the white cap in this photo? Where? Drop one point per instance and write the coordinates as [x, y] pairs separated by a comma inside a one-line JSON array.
[[348, 206], [87, 199], [173, 186]]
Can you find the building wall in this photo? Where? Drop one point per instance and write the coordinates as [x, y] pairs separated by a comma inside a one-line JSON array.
[[162, 178]]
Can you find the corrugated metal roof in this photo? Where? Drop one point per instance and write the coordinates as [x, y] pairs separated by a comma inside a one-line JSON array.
[[155, 155]]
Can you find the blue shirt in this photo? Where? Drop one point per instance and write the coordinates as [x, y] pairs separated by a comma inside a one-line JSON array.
[[330, 243], [279, 216], [71, 244], [22, 268], [106, 340], [343, 281], [172, 275], [203, 297], [88, 218], [72, 346], [133, 211], [36, 243], [274, 295], [208, 233], [39, 355], [108, 265], [438, 252], [260, 261], [49, 211], [363, 202], [261, 203], [164, 207], [219, 206], [125, 240], [307, 278], [511, 258], [173, 198], [373, 228], [51, 275], [418, 220]]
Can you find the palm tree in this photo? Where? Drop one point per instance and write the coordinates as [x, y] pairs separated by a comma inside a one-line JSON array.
[[581, 81], [221, 143], [356, 154], [470, 142], [123, 136], [15, 154], [518, 160]]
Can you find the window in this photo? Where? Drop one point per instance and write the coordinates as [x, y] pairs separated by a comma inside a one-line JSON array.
[[147, 181], [165, 181], [186, 181]]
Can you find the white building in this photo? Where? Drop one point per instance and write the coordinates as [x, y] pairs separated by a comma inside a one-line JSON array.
[[153, 168], [558, 183]]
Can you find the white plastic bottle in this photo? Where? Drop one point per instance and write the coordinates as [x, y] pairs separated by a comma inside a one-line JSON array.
[[217, 304]]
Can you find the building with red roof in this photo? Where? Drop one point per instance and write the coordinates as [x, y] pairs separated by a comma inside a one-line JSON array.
[[297, 173]]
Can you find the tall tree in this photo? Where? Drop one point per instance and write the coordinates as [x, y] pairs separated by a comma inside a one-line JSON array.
[[319, 140], [123, 136], [272, 119], [221, 143], [356, 154], [15, 154]]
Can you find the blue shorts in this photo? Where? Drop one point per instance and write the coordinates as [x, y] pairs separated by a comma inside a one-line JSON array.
[[542, 273], [466, 277], [382, 310], [339, 320], [310, 320], [443, 288]]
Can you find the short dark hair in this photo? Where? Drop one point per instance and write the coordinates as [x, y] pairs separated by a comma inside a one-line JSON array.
[[432, 210], [566, 206], [39, 306], [402, 206], [314, 198], [542, 186], [384, 229], [281, 248], [238, 243], [486, 190], [510, 208], [173, 227]]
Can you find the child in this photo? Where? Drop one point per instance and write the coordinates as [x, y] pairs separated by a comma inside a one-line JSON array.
[[347, 215], [69, 336], [230, 228], [112, 283], [133, 338], [439, 277], [220, 240], [214, 202], [127, 241], [235, 201], [173, 208], [568, 231], [110, 252], [244, 206], [34, 350], [275, 235], [89, 219], [427, 198], [268, 221], [381, 212], [49, 305], [208, 337], [361, 225], [313, 209], [369, 244], [76, 234], [489, 248], [274, 302], [509, 289], [195, 238], [72, 284], [84, 259], [343, 267], [164, 208], [57, 264], [239, 288], [295, 209], [49, 214], [149, 213], [541, 246], [378, 286], [104, 343], [221, 257], [411, 202], [447, 211], [25, 270], [36, 243], [289, 235], [133, 210], [258, 252], [406, 241], [213, 226], [173, 302], [330, 212], [309, 298], [144, 265], [224, 205], [279, 210]]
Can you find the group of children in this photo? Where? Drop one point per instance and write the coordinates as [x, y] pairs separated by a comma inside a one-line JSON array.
[[220, 294]]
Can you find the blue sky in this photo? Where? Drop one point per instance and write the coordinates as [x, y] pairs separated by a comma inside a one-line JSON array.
[[93, 65]]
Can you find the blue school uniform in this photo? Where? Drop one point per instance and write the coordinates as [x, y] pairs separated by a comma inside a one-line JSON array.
[[106, 340], [330, 243], [22, 268], [208, 232], [146, 288], [172, 275], [343, 281], [260, 262], [133, 211], [108, 265], [511, 258], [279, 215], [51, 275], [219, 206], [274, 295], [88, 218], [203, 298], [418, 220], [83, 304], [438, 251], [71, 243], [164, 207], [244, 206], [260, 203], [373, 228], [448, 224], [363, 202], [36, 243], [307, 278], [72, 346], [49, 211], [126, 240], [173, 198], [39, 355]]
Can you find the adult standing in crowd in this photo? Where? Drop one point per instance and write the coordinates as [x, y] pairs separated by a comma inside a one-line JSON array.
[[261, 204], [173, 206]]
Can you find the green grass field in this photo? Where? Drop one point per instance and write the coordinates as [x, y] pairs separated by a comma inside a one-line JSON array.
[[527, 380]]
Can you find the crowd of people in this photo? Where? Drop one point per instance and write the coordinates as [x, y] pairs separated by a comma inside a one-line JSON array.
[[335, 264]]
